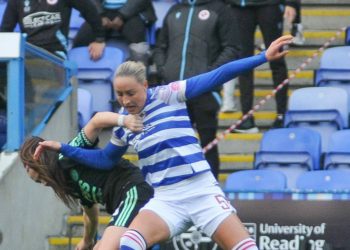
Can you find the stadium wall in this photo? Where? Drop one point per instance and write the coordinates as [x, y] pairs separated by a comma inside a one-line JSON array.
[[28, 211]]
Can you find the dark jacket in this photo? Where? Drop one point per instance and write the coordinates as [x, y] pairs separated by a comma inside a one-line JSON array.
[[46, 22], [196, 38], [262, 2], [131, 8]]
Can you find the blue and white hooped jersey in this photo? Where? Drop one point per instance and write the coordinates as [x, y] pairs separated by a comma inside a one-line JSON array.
[[167, 147], [113, 4]]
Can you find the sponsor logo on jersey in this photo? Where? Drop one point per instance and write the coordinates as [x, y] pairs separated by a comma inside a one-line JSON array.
[[41, 18], [175, 86]]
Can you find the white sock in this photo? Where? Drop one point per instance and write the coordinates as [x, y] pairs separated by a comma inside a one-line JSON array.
[[247, 244], [132, 240]]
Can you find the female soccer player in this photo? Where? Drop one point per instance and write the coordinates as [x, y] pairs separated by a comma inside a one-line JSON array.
[[170, 157], [122, 189]]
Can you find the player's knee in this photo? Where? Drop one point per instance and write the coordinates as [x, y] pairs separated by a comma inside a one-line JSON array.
[[132, 240], [247, 244]]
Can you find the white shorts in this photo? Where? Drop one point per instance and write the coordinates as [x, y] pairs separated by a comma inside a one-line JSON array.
[[198, 200]]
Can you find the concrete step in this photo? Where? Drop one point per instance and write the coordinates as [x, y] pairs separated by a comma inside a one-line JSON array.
[[303, 78], [262, 118], [79, 220], [325, 18], [315, 37], [260, 94], [235, 143], [62, 242], [296, 57], [325, 3]]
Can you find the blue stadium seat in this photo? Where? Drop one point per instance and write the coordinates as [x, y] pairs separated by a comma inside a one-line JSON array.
[[120, 44], [347, 36], [334, 68], [76, 20], [96, 76], [256, 180], [2, 10], [289, 150], [84, 107], [324, 180], [324, 109], [338, 152], [161, 8]]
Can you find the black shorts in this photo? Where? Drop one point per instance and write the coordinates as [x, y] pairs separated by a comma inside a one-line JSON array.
[[133, 200]]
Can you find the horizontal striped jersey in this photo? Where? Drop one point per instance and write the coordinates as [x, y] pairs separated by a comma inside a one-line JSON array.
[[167, 148], [113, 4]]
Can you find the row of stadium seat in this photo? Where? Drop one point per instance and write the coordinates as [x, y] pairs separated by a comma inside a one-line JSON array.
[[324, 109], [316, 125], [95, 79], [294, 151], [276, 181]]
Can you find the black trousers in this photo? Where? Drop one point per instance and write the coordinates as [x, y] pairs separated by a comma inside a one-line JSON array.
[[203, 112], [133, 31], [298, 12], [270, 20]]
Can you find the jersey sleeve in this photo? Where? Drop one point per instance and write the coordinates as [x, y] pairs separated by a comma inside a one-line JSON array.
[[119, 137], [206, 82], [105, 158], [172, 93], [80, 140]]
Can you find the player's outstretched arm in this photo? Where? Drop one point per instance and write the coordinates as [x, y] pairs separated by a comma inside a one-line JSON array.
[[206, 82]]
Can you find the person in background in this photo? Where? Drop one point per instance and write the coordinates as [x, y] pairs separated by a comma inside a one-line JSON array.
[[122, 190], [196, 37], [292, 15], [123, 20], [170, 156], [228, 97], [268, 15], [46, 23]]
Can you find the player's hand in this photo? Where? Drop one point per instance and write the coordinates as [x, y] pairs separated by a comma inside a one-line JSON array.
[[46, 145], [289, 14], [276, 49], [106, 23], [133, 122], [117, 23], [96, 50], [83, 245]]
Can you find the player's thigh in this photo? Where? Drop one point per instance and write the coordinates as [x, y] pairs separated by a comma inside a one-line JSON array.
[[111, 238], [151, 226], [230, 232]]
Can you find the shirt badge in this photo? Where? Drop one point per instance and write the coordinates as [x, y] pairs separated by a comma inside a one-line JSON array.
[[204, 15]]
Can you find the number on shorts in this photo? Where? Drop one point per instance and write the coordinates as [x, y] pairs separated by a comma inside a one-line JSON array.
[[223, 202]]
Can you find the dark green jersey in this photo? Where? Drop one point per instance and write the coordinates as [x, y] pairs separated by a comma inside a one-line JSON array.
[[100, 186]]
